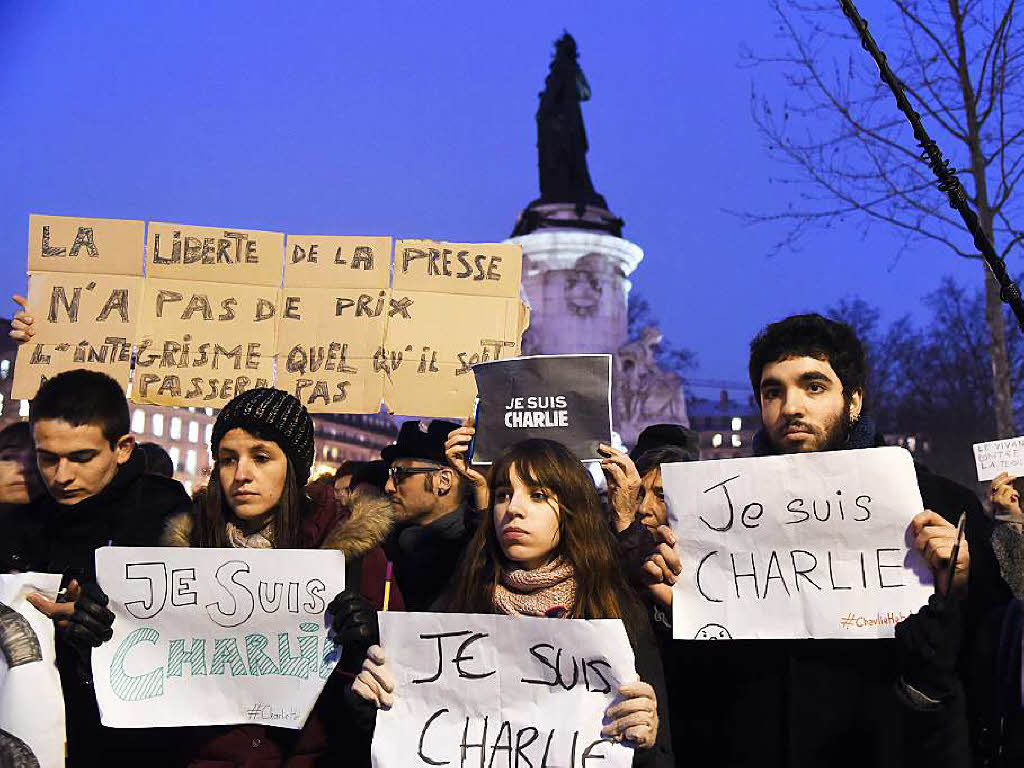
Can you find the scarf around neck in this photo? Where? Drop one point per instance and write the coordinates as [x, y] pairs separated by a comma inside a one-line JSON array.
[[546, 591], [261, 539]]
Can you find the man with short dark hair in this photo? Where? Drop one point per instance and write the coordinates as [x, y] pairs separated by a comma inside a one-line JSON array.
[[842, 702], [98, 494]]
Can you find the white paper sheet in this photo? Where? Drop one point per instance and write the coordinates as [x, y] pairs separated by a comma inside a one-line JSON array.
[[31, 702], [999, 456], [798, 546], [215, 636], [504, 699]]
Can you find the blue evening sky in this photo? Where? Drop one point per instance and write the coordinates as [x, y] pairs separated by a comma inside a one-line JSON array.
[[417, 119]]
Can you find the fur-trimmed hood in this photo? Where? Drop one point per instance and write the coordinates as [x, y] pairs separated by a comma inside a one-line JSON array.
[[365, 528]]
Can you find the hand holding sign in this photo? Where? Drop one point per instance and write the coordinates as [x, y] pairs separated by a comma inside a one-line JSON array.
[[375, 683], [935, 538], [623, 485], [22, 324], [456, 450], [663, 566], [1003, 495]]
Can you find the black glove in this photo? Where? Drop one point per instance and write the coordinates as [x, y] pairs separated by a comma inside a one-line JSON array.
[[354, 622], [929, 641], [90, 625]]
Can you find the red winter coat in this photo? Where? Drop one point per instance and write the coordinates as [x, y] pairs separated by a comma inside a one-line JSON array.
[[328, 729]]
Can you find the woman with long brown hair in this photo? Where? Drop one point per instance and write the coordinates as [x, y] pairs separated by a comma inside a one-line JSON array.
[[544, 548]]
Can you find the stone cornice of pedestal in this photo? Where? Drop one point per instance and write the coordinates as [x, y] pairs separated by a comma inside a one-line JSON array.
[[559, 249]]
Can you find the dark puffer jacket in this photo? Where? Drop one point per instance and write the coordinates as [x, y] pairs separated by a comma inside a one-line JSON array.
[[129, 512]]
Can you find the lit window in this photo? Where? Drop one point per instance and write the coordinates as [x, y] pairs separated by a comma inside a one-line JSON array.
[[736, 442], [911, 444], [737, 423], [5, 369], [209, 433], [175, 454], [193, 431], [23, 409], [157, 424], [175, 428], [190, 461], [209, 411], [139, 421], [716, 441]]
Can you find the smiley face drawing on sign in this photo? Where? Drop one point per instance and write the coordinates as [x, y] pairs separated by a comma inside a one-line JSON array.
[[712, 632]]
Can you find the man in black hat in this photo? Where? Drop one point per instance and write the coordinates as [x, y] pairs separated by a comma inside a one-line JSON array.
[[430, 512]]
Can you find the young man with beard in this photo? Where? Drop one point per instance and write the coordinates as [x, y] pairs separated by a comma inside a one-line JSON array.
[[98, 493], [841, 702]]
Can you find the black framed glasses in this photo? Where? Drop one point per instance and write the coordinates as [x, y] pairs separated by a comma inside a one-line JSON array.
[[398, 474]]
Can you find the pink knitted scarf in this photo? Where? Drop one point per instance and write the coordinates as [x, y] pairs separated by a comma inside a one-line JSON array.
[[546, 591]]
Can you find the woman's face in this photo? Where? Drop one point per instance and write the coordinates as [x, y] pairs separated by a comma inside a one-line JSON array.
[[653, 510], [19, 479], [252, 473], [526, 522]]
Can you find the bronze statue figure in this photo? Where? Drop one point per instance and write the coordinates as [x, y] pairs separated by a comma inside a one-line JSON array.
[[561, 137]]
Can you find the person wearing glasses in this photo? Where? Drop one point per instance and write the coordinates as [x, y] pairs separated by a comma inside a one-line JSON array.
[[434, 517]]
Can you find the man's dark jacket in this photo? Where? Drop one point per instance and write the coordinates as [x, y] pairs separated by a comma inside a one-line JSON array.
[[129, 512], [426, 556], [811, 703]]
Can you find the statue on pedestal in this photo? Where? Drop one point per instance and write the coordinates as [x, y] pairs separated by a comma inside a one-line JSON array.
[[561, 138]]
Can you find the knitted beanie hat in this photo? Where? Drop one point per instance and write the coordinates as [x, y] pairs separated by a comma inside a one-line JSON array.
[[275, 415]]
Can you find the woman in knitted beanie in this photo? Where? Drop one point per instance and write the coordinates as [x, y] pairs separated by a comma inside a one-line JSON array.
[[262, 445], [546, 549]]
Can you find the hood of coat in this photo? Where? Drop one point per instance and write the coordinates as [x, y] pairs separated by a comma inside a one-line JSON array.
[[365, 527]]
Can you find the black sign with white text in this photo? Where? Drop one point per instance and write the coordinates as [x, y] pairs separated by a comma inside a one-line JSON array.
[[558, 397]]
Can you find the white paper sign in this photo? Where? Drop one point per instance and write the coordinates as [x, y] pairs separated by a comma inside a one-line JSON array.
[[215, 636], [805, 545], [999, 456], [501, 690], [31, 702]]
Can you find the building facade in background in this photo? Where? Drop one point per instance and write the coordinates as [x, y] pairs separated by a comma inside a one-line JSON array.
[[726, 425]]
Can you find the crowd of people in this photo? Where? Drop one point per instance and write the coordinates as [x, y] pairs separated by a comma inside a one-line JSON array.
[[423, 529]]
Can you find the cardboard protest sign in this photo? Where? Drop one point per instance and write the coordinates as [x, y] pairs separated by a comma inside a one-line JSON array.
[[83, 292], [478, 689], [85, 246], [31, 704], [475, 269], [326, 349], [215, 636], [201, 344], [81, 321], [214, 254], [453, 305], [559, 397], [329, 337], [998, 456], [321, 261], [804, 545], [434, 341]]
